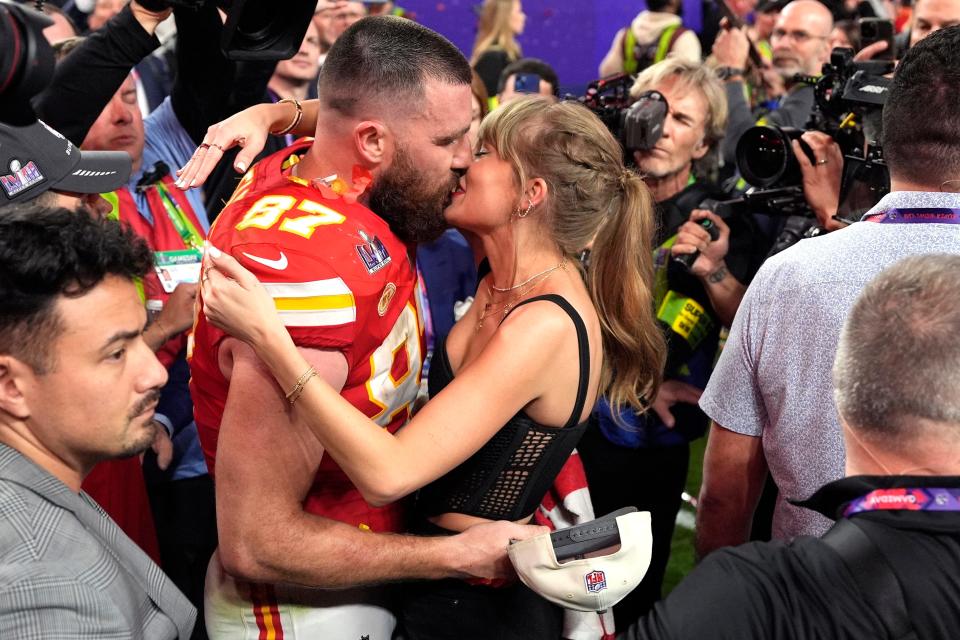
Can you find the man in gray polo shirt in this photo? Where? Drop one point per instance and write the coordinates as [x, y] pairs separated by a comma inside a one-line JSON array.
[[770, 394]]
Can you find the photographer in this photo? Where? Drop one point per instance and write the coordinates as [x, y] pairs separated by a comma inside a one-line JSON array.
[[644, 463], [772, 406], [800, 42]]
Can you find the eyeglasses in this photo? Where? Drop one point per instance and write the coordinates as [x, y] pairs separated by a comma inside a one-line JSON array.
[[800, 37]]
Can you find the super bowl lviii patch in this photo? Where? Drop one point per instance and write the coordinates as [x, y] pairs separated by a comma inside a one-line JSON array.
[[21, 177], [373, 253]]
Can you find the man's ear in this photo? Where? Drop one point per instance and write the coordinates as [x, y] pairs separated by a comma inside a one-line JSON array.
[[13, 376], [373, 141], [701, 149]]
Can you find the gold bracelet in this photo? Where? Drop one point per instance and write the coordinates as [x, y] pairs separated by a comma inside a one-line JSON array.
[[296, 118], [301, 382]]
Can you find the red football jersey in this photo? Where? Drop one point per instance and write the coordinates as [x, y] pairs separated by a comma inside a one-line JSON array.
[[340, 280]]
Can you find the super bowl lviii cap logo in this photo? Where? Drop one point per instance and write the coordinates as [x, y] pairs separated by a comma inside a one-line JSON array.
[[21, 177], [596, 581]]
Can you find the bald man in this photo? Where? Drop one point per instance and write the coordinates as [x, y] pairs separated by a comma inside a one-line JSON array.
[[801, 44]]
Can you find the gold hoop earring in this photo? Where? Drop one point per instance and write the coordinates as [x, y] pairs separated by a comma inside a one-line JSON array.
[[524, 214]]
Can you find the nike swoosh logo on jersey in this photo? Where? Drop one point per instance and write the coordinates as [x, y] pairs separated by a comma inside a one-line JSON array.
[[279, 264]]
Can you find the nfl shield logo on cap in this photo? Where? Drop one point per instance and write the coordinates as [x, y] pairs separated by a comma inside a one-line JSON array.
[[596, 581]]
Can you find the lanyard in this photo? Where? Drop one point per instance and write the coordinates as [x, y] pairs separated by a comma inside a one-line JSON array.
[[927, 499], [191, 237], [912, 216]]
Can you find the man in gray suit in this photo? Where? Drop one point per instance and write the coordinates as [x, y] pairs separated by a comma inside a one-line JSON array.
[[78, 384]]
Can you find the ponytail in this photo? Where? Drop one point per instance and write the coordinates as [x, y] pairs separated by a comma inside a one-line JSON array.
[[620, 280]]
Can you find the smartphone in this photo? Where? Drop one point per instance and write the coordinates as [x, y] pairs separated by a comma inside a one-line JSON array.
[[526, 83], [876, 30]]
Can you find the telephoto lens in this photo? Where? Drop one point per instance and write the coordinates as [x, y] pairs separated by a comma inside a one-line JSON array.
[[765, 157]]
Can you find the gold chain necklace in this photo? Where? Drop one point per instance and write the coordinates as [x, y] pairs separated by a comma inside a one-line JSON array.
[[530, 279], [489, 307]]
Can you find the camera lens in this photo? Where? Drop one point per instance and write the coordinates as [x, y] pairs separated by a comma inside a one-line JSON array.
[[765, 157]]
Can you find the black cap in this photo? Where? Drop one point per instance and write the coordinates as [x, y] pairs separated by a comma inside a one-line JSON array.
[[35, 158]]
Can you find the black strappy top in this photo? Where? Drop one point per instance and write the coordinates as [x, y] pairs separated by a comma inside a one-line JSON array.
[[508, 477]]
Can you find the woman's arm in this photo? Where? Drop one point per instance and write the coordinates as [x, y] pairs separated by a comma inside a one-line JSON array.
[[249, 130], [503, 379]]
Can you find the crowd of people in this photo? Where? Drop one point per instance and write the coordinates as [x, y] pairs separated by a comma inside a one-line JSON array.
[[375, 312]]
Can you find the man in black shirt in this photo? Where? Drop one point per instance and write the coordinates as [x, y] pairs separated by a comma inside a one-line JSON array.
[[896, 546]]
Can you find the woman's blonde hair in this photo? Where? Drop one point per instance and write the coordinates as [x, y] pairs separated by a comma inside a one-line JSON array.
[[592, 196], [494, 30]]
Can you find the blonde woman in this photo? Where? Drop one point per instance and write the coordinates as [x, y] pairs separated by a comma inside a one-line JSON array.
[[514, 385], [496, 46]]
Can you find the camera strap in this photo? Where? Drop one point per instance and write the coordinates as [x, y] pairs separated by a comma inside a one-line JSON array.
[[915, 216], [874, 577]]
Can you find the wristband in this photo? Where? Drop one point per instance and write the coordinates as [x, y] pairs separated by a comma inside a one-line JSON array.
[[296, 118], [728, 73]]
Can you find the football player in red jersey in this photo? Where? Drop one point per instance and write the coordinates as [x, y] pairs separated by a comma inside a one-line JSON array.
[[396, 109]]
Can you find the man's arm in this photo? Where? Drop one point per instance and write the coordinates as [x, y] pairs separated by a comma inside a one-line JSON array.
[[734, 469], [613, 62], [739, 119], [266, 462], [85, 81]]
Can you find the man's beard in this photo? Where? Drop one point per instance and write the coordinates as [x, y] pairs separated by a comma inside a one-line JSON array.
[[413, 211], [142, 441], [788, 69]]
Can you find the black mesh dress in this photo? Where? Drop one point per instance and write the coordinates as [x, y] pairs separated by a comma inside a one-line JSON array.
[[505, 480]]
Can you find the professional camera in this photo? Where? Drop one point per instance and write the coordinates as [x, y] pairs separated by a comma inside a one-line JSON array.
[[849, 101], [636, 123], [26, 61]]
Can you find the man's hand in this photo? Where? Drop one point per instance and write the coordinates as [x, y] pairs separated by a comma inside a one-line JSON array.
[[162, 446], [175, 318], [670, 393], [773, 82], [731, 48], [148, 19], [177, 314], [870, 51], [693, 237], [481, 550], [821, 180]]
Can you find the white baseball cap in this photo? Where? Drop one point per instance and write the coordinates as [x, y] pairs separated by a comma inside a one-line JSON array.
[[585, 583]]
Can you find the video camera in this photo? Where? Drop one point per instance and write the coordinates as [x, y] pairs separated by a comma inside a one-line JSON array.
[[636, 123], [849, 100]]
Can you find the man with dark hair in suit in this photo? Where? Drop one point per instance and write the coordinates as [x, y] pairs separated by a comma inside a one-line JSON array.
[[78, 384]]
